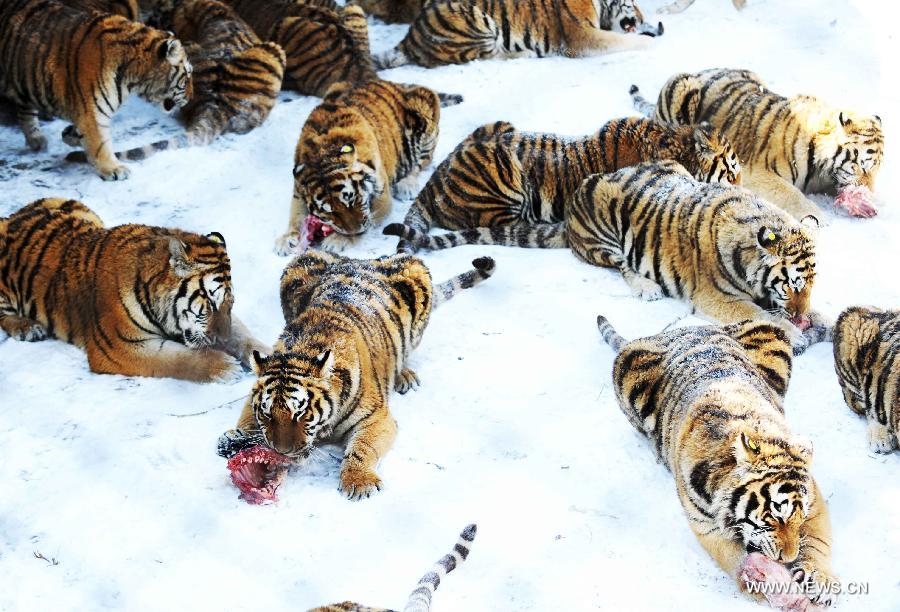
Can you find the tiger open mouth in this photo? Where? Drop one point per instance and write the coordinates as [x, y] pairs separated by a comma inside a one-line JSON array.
[[628, 24], [258, 471]]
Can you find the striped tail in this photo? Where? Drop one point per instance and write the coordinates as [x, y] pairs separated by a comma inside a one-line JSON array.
[[420, 598], [449, 99], [538, 236], [640, 103], [484, 269], [139, 153], [609, 334]]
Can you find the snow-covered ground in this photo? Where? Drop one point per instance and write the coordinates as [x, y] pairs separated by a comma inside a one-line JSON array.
[[514, 427]]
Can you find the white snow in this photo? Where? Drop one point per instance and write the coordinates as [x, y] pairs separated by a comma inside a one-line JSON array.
[[514, 427]]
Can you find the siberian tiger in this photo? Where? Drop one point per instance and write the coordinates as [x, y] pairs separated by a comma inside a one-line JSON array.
[[710, 401], [460, 31], [393, 11], [502, 186], [350, 326], [789, 146], [236, 77], [324, 43], [867, 361], [730, 254], [125, 8], [357, 147], [62, 61], [140, 300], [420, 599]]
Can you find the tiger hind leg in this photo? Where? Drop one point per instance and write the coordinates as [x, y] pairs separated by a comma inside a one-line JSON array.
[[31, 128], [641, 286]]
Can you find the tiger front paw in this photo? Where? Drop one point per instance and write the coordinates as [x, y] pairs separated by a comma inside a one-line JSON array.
[[881, 440], [335, 243], [72, 137], [288, 243], [114, 173], [820, 586], [36, 141], [359, 484], [406, 381], [644, 288], [234, 441], [406, 188], [26, 331], [221, 367]]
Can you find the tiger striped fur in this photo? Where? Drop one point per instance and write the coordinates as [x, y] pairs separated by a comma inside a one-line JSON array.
[[65, 62], [710, 401], [126, 8], [867, 361], [420, 598], [324, 43], [140, 300], [350, 327], [460, 31], [355, 149], [502, 186], [237, 78], [730, 254], [788, 146]]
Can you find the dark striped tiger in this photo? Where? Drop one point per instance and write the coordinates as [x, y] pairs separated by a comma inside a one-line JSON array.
[[140, 300], [324, 43], [350, 327], [64, 62], [393, 11], [355, 149], [710, 401], [460, 31], [789, 146], [420, 599], [237, 78], [126, 8], [730, 254], [502, 186], [867, 361]]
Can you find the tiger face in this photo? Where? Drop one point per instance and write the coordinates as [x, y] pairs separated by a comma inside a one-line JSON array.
[[785, 278], [623, 15], [291, 400], [169, 82], [338, 188], [857, 158], [772, 495], [717, 161], [200, 299]]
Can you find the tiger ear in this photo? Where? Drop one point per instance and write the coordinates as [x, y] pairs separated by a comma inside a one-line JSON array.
[[767, 237], [325, 362], [178, 257], [171, 51], [844, 119], [877, 120], [746, 449], [216, 237], [259, 363]]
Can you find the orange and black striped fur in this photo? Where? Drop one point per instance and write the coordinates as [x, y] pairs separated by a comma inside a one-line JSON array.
[[730, 254], [237, 78], [356, 148], [460, 31], [324, 43], [789, 146], [867, 361], [393, 11], [350, 327], [710, 401], [140, 300], [65, 62], [502, 186], [420, 599], [126, 8]]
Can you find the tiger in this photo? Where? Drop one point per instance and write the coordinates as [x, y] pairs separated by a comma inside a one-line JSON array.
[[356, 148], [502, 186], [393, 11], [350, 326], [236, 77], [789, 146], [710, 401], [139, 300], [324, 43], [61, 61], [126, 8], [867, 362], [730, 254], [460, 31], [420, 599]]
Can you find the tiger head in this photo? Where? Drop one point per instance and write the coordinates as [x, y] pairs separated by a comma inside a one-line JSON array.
[[770, 495], [857, 153], [786, 268], [292, 400], [338, 185], [716, 160], [619, 15], [196, 298], [166, 80]]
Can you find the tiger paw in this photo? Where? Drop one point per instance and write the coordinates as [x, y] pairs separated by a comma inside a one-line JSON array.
[[234, 441], [820, 586], [405, 381], [288, 243], [881, 440], [406, 188], [644, 288], [222, 367], [72, 137], [115, 173], [26, 331], [36, 142], [359, 484], [335, 243]]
